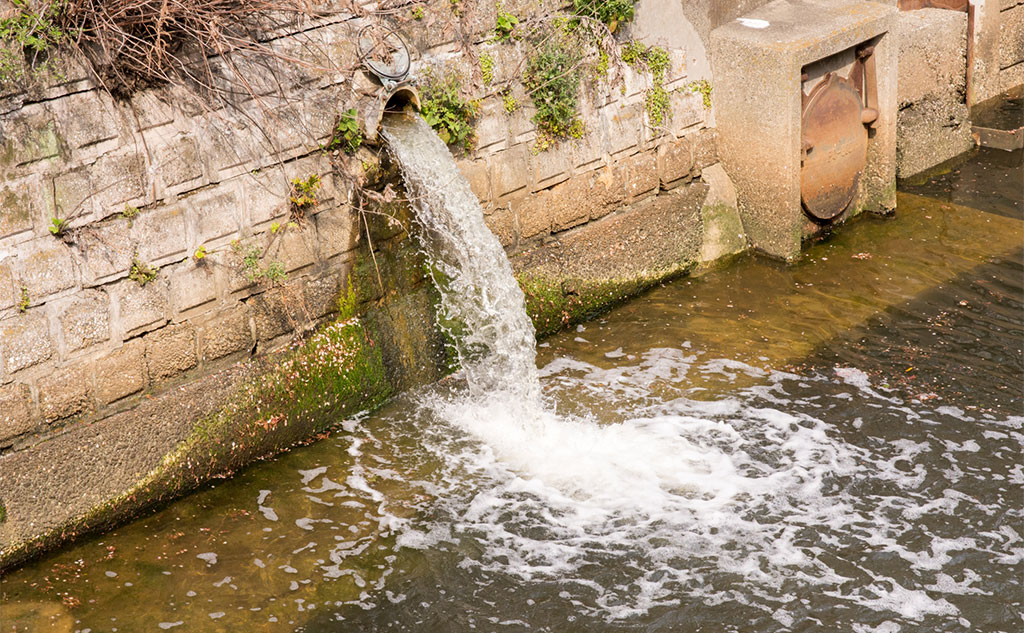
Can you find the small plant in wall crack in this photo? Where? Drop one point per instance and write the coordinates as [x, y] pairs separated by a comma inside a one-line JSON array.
[[347, 136], [505, 26], [199, 257], [304, 195], [703, 88], [141, 272], [23, 300], [655, 60], [487, 67], [611, 12], [445, 110], [58, 227], [552, 79], [251, 258]]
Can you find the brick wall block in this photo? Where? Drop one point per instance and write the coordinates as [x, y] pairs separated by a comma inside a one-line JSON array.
[[216, 214], [25, 341], [19, 204], [534, 214], [336, 231], [86, 118], [159, 234], [46, 267], [142, 307], [122, 372], [641, 174], [225, 333], [15, 411], [192, 285], [85, 320], [65, 392], [170, 351], [10, 293], [509, 171], [106, 250], [675, 162]]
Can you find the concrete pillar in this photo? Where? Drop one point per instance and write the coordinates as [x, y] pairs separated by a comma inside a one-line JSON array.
[[757, 61]]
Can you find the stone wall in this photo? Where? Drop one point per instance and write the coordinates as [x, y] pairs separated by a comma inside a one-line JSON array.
[[110, 324], [998, 48], [933, 122]]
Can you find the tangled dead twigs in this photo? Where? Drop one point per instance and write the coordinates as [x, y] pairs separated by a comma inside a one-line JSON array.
[[133, 43]]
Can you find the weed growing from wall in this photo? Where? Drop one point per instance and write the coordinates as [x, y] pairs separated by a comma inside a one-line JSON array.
[[703, 88], [611, 12], [23, 300], [57, 226], [552, 79], [304, 195], [445, 110], [141, 272], [505, 26], [487, 67], [251, 258], [347, 136], [655, 60], [28, 38]]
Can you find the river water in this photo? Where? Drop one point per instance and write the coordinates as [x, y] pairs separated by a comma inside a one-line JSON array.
[[830, 446]]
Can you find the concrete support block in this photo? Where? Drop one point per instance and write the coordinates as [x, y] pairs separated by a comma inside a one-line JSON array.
[[106, 251], [25, 341], [757, 96], [720, 219], [16, 416], [19, 204], [192, 285], [65, 392], [509, 171], [47, 266], [159, 234], [225, 333], [141, 308], [85, 320], [1011, 36], [121, 373], [933, 124], [86, 118], [170, 351]]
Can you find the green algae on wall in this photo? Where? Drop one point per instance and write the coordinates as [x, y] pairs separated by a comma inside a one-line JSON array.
[[554, 304], [295, 396]]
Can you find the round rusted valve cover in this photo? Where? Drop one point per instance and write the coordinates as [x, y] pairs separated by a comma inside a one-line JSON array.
[[835, 146]]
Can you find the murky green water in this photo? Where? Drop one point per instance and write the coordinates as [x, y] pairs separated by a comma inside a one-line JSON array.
[[832, 446]]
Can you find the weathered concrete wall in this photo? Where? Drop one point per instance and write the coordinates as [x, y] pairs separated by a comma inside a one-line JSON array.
[[933, 123], [998, 48], [90, 355]]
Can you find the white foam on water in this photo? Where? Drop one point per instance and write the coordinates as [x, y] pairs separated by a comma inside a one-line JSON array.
[[730, 499]]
